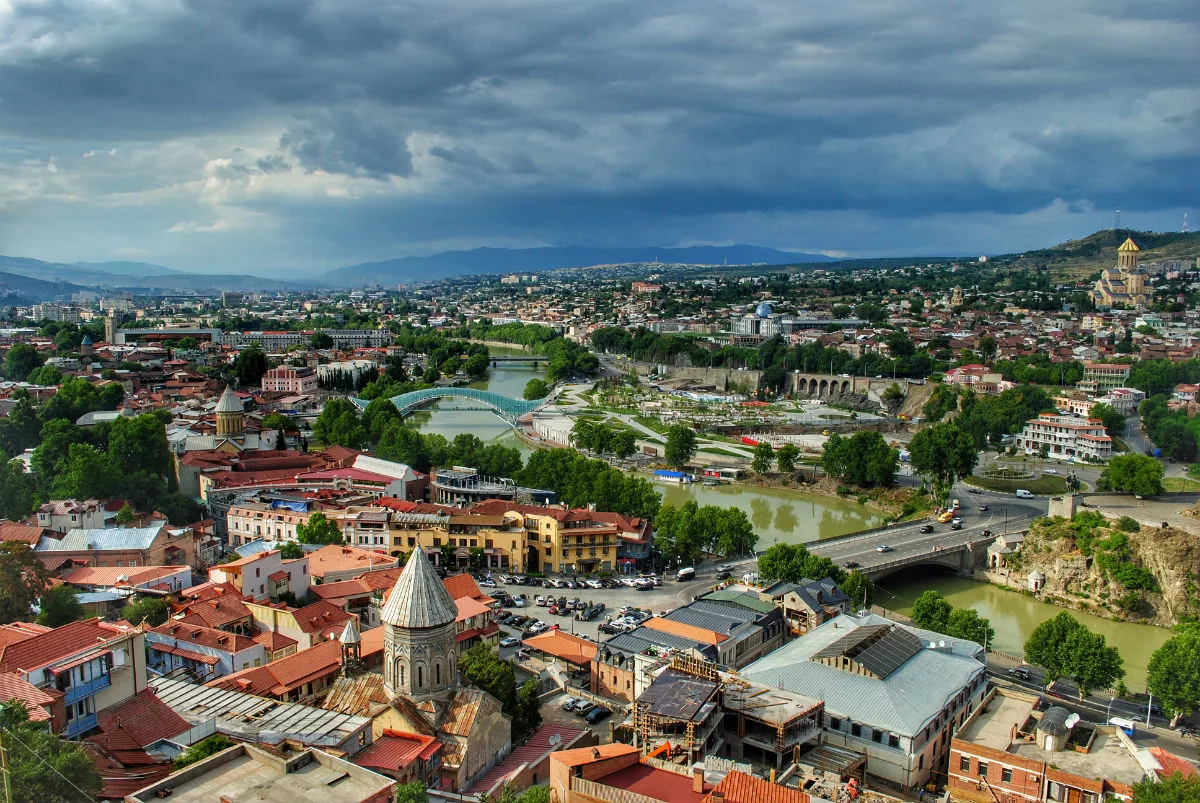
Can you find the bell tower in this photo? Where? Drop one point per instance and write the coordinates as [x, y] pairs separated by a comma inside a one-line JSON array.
[[231, 415], [420, 657]]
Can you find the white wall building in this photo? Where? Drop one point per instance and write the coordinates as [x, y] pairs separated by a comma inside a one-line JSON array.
[[1065, 437]]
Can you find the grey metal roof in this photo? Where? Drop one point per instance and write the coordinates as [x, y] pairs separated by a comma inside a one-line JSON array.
[[638, 640], [229, 402], [103, 538], [1054, 721], [731, 612], [902, 703], [258, 719], [419, 599]]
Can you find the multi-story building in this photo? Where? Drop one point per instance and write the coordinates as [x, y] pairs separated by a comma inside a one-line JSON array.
[[199, 653], [68, 514], [1124, 400], [290, 379], [1101, 377], [264, 575], [1014, 749], [84, 666], [891, 692], [1065, 437], [157, 544], [267, 521]]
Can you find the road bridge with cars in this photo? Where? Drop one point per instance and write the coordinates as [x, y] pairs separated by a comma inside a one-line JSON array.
[[885, 550]]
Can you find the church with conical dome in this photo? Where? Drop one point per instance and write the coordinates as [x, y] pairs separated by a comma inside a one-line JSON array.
[[420, 658], [1125, 284]]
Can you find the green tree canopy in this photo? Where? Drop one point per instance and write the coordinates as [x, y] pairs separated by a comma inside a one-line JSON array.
[[1176, 788], [1114, 422], [943, 454], [152, 610], [965, 623], [536, 389], [338, 424], [60, 605], [319, 529], [250, 365], [787, 456], [931, 611], [16, 490], [201, 750], [1173, 675], [43, 768], [1065, 648], [23, 578], [764, 457], [19, 361], [482, 667], [1134, 474], [792, 563], [681, 445], [290, 551], [411, 793], [863, 459], [140, 444], [321, 340]]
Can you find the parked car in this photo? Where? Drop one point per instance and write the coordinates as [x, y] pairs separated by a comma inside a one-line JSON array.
[[725, 567], [928, 528], [597, 714], [570, 703], [585, 708], [956, 525], [518, 602], [851, 564], [541, 601], [982, 508], [487, 584], [1020, 672], [723, 575], [553, 609], [595, 584], [956, 520], [510, 641], [1050, 471]]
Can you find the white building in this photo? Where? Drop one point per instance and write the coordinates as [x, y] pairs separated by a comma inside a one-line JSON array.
[[1124, 400], [1065, 437], [355, 368]]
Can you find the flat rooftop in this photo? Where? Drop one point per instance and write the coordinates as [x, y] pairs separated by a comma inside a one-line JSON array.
[[1109, 757]]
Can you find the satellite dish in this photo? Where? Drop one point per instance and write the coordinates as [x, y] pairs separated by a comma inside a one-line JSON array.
[[942, 644], [933, 645], [1072, 721]]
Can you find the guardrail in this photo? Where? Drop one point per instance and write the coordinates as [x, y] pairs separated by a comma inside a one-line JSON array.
[[900, 562]]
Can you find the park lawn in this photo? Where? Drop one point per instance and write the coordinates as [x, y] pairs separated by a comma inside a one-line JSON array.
[[719, 450], [1180, 485], [1041, 485]]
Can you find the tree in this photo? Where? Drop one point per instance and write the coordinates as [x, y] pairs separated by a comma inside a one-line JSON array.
[[43, 768], [859, 588], [140, 444], [792, 563], [16, 490], [126, 515], [250, 365], [681, 445], [965, 623], [536, 389], [87, 474], [20, 360], [987, 348], [943, 454], [787, 456], [151, 610], [481, 666], [45, 376], [60, 604], [1134, 474], [1114, 422], [201, 750], [319, 529], [338, 424], [290, 551], [476, 366], [431, 375], [23, 578], [1065, 648], [1175, 788], [624, 443], [931, 611], [864, 459], [1173, 675], [320, 340], [764, 456], [411, 793]]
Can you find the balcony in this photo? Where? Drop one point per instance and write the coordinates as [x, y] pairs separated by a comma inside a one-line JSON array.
[[80, 725], [78, 691]]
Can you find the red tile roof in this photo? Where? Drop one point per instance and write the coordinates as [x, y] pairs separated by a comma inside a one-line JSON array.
[[144, 718], [216, 611], [206, 636], [700, 634], [586, 755], [275, 641], [653, 782], [462, 585], [738, 787], [280, 677], [562, 645], [1171, 763], [13, 687], [108, 575], [396, 750], [57, 644], [335, 558], [321, 617], [538, 745], [25, 533]]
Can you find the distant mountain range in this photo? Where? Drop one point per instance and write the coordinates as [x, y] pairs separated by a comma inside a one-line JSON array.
[[532, 260]]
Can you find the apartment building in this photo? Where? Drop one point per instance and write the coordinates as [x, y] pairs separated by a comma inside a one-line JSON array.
[[68, 514], [1065, 437], [84, 666], [264, 575], [199, 653], [1101, 377], [290, 379], [157, 544]]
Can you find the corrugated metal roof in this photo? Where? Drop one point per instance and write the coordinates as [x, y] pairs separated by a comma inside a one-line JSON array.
[[419, 600], [102, 539]]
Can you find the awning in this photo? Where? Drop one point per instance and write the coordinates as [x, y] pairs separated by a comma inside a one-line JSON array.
[[69, 665], [196, 656]]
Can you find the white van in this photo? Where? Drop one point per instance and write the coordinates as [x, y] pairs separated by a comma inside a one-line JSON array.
[[685, 574], [1023, 494]]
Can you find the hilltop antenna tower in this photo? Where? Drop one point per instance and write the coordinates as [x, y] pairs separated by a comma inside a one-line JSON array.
[[1186, 228], [1117, 217]]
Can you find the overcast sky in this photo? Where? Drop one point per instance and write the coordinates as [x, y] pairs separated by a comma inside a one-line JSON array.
[[282, 135]]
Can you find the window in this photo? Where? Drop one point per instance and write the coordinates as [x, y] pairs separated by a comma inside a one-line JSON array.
[[983, 767], [835, 724], [856, 729], [893, 740], [1006, 774], [877, 737], [964, 764], [921, 762]]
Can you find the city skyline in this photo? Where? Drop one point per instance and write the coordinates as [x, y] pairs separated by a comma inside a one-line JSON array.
[[297, 139]]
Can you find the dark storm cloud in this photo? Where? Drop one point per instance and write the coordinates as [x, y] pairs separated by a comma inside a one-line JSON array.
[[595, 120]]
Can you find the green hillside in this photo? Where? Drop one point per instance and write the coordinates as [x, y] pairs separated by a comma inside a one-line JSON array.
[[1079, 258]]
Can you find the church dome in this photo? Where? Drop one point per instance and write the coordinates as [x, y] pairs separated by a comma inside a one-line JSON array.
[[763, 310], [419, 599], [229, 402]]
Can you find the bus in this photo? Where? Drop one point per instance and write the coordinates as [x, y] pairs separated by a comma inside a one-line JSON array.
[[1127, 725], [685, 574]]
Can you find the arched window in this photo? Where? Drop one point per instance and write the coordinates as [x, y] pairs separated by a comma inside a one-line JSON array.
[[400, 673], [437, 673], [420, 677]]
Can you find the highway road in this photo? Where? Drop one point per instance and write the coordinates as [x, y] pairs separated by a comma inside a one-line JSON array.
[[1004, 512]]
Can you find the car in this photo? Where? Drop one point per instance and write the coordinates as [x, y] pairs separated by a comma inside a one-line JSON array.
[[518, 602], [573, 603], [1021, 672], [487, 584], [974, 491], [956, 525], [584, 708], [1050, 471], [1138, 496], [851, 564], [597, 714], [723, 575], [570, 703], [595, 584], [982, 508], [504, 578], [883, 548], [725, 567], [553, 609], [928, 528], [624, 609], [956, 520], [510, 641], [541, 601]]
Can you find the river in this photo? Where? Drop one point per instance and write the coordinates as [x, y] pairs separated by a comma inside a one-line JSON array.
[[1014, 616], [782, 516]]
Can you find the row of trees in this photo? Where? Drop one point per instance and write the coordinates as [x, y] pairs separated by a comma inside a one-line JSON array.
[[765, 455], [864, 459], [682, 534], [347, 381], [598, 438], [579, 480], [932, 611], [791, 563], [1134, 474], [1172, 431]]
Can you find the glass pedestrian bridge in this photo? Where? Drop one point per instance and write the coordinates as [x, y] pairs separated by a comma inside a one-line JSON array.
[[508, 409]]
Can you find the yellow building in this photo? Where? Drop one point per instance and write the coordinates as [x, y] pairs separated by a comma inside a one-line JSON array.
[[1125, 284]]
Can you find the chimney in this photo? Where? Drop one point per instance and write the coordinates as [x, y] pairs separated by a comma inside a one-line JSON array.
[[698, 778]]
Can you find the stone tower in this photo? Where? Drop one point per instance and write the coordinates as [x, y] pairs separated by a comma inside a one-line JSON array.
[[351, 641], [1127, 255], [419, 655], [231, 415]]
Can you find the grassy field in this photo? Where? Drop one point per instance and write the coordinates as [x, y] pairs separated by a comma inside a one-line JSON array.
[[1042, 485], [719, 450], [1180, 485]]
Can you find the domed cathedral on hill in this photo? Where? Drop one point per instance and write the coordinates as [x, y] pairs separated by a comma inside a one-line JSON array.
[[1125, 284]]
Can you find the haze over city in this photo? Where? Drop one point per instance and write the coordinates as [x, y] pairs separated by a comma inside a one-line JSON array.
[[301, 137]]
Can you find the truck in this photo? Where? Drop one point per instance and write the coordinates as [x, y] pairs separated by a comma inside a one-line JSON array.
[[1023, 494]]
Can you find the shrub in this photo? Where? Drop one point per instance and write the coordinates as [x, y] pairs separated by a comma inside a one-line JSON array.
[[1128, 524]]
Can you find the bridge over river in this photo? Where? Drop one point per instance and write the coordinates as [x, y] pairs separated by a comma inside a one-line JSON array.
[[963, 550], [511, 410]]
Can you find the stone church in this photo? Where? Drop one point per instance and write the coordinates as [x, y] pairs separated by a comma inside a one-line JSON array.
[[1125, 284]]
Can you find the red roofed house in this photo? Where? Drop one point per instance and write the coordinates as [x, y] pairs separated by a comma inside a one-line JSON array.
[[407, 757], [200, 653], [103, 578], [299, 678], [119, 749], [321, 621], [567, 647], [224, 611], [332, 563], [25, 533], [354, 596], [263, 575], [89, 666]]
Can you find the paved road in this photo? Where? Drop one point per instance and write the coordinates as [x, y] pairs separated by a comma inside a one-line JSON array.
[[1004, 512]]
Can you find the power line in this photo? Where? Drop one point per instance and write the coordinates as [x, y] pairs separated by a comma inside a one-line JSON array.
[[86, 796]]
